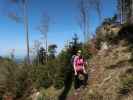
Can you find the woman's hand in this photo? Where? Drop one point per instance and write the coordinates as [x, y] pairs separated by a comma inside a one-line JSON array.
[[75, 73], [85, 72]]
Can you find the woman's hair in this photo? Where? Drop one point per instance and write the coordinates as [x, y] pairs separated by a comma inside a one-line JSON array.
[[79, 51]]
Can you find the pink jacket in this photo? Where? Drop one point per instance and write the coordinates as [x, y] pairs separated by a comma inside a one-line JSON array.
[[79, 63]]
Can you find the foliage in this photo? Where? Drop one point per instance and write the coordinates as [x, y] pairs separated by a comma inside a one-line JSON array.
[[108, 31], [86, 53], [42, 55], [48, 74], [8, 74], [14, 79], [53, 72], [48, 94], [20, 79], [126, 84], [39, 76], [52, 51], [126, 33]]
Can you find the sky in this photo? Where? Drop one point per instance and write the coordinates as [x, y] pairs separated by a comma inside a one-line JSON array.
[[63, 24]]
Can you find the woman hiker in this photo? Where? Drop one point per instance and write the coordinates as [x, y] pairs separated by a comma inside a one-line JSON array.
[[80, 72]]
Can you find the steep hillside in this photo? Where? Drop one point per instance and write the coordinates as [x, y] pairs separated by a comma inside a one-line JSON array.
[[111, 73], [110, 69]]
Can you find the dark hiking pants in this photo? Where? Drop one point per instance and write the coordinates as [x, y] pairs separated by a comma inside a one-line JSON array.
[[78, 83]]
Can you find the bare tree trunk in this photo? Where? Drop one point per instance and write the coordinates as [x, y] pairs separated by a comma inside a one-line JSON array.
[[44, 28], [84, 20], [84, 30], [85, 7], [26, 28], [46, 44], [132, 11]]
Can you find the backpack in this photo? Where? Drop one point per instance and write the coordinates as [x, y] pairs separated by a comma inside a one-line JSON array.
[[72, 59], [79, 60]]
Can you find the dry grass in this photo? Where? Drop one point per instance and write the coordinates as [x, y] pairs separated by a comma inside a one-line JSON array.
[[106, 70]]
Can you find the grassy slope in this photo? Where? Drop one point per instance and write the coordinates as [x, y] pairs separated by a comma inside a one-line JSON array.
[[106, 73]]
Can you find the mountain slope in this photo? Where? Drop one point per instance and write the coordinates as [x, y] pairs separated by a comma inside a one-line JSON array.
[[111, 75]]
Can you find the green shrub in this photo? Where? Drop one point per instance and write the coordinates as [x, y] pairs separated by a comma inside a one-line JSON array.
[[59, 83], [40, 76], [8, 73], [23, 82], [126, 85], [15, 78], [48, 74]]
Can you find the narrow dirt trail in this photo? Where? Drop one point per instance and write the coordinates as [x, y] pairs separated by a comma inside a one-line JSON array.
[[74, 97]]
